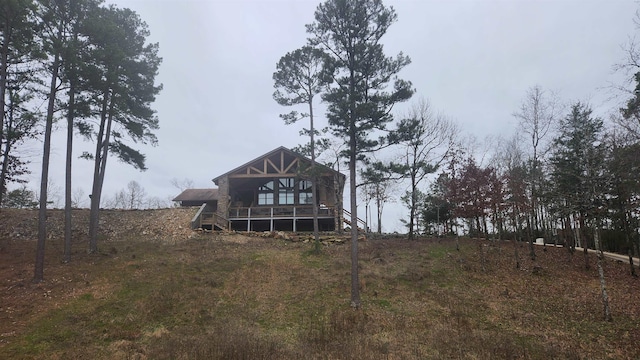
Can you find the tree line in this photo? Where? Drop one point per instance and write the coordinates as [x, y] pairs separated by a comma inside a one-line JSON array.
[[564, 176], [573, 178], [133, 196], [85, 65]]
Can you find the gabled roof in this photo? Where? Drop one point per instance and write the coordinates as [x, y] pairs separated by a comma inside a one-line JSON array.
[[271, 153], [198, 195]]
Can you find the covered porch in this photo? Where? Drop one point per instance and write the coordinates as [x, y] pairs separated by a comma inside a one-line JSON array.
[[281, 218]]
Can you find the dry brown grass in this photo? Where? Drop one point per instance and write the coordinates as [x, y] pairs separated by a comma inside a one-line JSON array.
[[239, 297]]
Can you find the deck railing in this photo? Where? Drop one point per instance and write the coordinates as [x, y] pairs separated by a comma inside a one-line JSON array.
[[214, 219], [279, 212], [196, 222], [205, 217]]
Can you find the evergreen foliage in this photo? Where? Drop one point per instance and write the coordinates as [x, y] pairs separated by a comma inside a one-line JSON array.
[[364, 86]]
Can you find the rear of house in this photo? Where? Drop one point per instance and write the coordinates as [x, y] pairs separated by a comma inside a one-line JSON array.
[[271, 192]]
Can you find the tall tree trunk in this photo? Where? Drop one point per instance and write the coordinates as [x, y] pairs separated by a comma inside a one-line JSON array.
[[627, 235], [338, 193], [379, 213], [569, 235], [518, 239], [412, 206], [353, 156], [104, 157], [68, 165], [532, 250], [637, 242], [484, 227], [314, 182], [97, 188], [603, 286], [7, 150], [4, 170], [355, 282], [583, 241], [4, 64], [42, 212]]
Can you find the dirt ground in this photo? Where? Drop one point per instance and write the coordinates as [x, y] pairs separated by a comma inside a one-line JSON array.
[[21, 300]]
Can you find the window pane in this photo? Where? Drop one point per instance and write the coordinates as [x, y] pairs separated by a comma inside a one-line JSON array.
[[304, 198], [287, 183], [266, 187], [286, 197], [304, 185], [265, 199]]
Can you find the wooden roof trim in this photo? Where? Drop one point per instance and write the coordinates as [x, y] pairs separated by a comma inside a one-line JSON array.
[[260, 176], [242, 168], [268, 161], [295, 161]]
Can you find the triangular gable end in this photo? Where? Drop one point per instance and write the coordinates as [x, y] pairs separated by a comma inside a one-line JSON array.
[[278, 162]]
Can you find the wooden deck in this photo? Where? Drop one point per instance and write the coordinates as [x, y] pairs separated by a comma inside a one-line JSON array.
[[268, 218], [278, 212]]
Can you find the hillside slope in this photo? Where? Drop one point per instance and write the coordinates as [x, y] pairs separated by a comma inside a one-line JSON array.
[[158, 291]]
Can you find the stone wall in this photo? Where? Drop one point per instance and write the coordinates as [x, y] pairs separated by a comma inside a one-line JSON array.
[[158, 224]]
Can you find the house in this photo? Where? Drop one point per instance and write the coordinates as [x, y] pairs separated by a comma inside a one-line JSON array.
[[271, 192]]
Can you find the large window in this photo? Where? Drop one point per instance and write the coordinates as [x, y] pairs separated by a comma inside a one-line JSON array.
[[305, 194], [286, 191], [265, 194]]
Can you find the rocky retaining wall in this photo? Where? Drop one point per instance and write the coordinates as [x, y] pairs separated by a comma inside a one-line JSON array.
[[158, 224]]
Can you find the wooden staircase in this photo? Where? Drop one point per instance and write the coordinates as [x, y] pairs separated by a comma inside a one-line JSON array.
[[346, 218], [204, 218]]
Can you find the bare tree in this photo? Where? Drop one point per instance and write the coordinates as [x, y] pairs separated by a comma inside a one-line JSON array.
[[627, 94], [79, 198], [118, 201], [538, 112], [54, 194], [156, 202], [182, 184], [426, 140], [135, 195], [378, 187]]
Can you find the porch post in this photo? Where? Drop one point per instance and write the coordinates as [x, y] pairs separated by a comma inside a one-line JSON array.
[[294, 219], [249, 220], [271, 220]]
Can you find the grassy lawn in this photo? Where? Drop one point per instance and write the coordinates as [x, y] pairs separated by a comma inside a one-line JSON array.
[[239, 297]]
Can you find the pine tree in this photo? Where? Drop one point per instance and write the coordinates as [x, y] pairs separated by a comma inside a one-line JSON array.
[[121, 81], [364, 85], [574, 163], [18, 50], [298, 79]]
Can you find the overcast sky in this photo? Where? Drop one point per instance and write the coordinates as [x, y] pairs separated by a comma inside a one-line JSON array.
[[473, 60]]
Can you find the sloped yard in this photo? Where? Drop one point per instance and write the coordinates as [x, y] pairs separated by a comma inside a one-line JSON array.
[[204, 296]]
